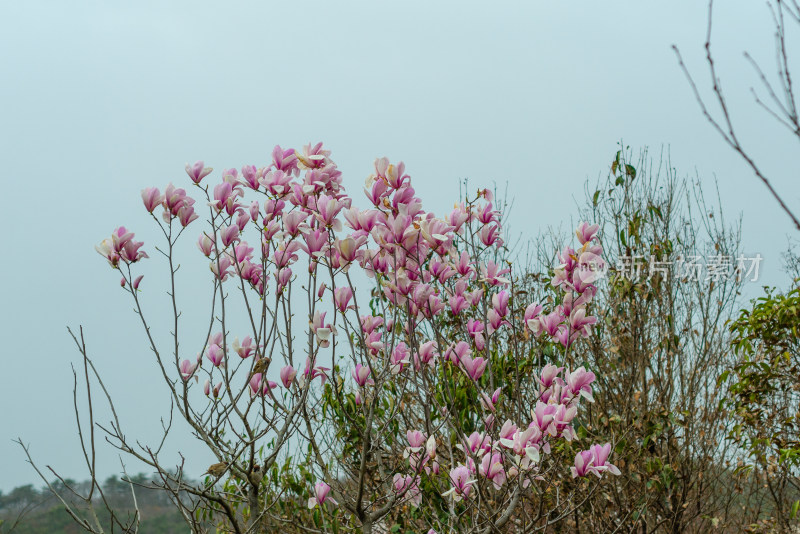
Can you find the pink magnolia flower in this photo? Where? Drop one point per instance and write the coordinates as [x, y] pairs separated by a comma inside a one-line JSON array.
[[564, 336], [490, 236], [600, 454], [492, 468], [532, 311], [341, 298], [313, 156], [369, 323], [282, 277], [462, 481], [458, 303], [476, 443], [321, 491], [543, 415], [587, 232], [374, 343], [377, 192], [436, 233], [456, 353], [349, 246], [579, 322], [441, 271], [229, 234], [595, 461], [327, 210], [495, 321], [464, 265], [430, 447], [260, 386], [492, 273], [395, 176], [474, 367], [205, 244], [220, 267], [580, 383], [271, 229], [583, 461], [272, 209], [489, 403], [361, 375], [276, 182], [500, 302], [457, 218], [549, 374], [381, 164], [562, 421], [488, 421], [242, 218], [187, 369], [507, 431], [284, 254], [518, 441], [244, 349], [225, 195], [549, 323], [121, 246], [487, 214], [322, 330], [416, 440], [287, 375], [186, 215], [294, 222], [310, 373], [198, 171], [152, 198], [399, 358], [177, 204], [284, 160], [215, 354], [250, 176], [243, 252], [408, 488], [427, 351], [315, 242], [475, 329]]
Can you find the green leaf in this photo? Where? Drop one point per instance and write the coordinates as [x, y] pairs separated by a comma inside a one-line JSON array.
[[655, 210], [723, 377]]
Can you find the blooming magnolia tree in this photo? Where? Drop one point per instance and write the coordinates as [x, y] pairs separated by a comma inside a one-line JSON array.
[[388, 371]]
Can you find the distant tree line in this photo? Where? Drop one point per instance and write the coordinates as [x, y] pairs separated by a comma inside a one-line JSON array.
[[28, 510]]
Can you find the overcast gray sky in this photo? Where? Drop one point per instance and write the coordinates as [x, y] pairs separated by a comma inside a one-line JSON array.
[[102, 99]]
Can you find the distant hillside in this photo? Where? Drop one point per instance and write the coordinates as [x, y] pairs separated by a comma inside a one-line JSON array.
[[26, 510]]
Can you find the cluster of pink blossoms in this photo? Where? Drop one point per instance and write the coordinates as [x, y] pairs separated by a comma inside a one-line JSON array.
[[121, 247], [426, 267], [576, 274], [513, 451]]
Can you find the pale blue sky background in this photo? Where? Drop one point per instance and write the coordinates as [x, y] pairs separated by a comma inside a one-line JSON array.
[[101, 99]]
